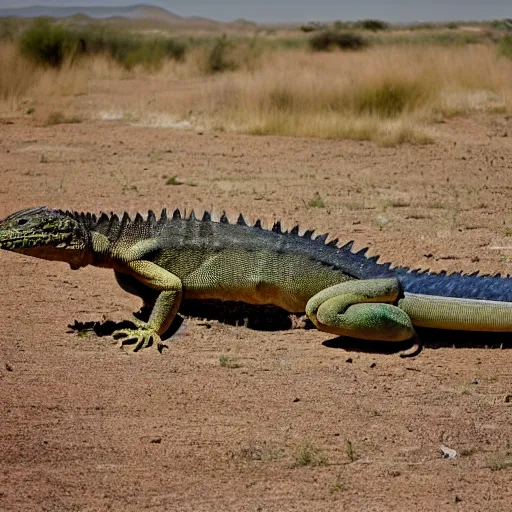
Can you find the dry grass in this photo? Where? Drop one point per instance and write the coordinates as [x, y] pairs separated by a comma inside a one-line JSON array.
[[384, 94], [16, 78], [22, 81], [390, 94]]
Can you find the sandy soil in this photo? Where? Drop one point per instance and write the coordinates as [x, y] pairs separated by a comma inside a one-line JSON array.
[[87, 427]]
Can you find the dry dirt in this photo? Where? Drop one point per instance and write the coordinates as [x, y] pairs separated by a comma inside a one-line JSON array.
[[87, 427]]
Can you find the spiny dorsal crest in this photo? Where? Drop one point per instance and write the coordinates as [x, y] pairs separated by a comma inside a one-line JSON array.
[[111, 223], [276, 228], [138, 221]]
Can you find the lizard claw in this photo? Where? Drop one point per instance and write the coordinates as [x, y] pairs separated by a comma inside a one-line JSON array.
[[139, 338], [415, 348]]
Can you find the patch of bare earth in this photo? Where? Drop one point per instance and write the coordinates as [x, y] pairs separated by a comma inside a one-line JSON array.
[[231, 418]]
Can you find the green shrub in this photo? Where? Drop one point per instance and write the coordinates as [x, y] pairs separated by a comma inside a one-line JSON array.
[[389, 99], [505, 46], [48, 44], [148, 53], [174, 49], [505, 24], [130, 50], [312, 26], [218, 60], [342, 25], [10, 28], [329, 39], [374, 25]]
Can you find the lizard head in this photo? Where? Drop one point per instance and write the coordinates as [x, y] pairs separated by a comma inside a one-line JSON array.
[[45, 233]]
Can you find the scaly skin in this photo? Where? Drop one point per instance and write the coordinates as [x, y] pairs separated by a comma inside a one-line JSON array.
[[165, 261]]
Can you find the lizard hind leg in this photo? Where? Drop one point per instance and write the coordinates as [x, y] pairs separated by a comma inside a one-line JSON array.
[[363, 309]]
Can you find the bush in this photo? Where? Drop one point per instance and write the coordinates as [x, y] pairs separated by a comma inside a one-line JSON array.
[[505, 24], [312, 26], [389, 99], [10, 29], [374, 25], [48, 44], [149, 53], [328, 39], [130, 50], [342, 25], [505, 46], [218, 60]]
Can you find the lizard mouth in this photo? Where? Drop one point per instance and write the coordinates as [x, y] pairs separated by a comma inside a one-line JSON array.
[[26, 241]]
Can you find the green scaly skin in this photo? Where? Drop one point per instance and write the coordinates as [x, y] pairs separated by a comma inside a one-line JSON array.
[[167, 260]]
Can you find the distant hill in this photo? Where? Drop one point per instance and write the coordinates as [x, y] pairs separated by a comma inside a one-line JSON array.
[[140, 11], [132, 11]]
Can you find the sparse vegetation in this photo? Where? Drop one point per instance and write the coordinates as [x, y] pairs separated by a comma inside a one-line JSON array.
[[505, 46], [500, 461], [317, 201], [373, 25], [218, 60], [389, 91], [228, 362], [263, 451], [339, 485], [351, 454], [131, 50], [312, 26], [60, 118], [329, 39], [309, 455], [173, 180], [48, 44], [17, 76]]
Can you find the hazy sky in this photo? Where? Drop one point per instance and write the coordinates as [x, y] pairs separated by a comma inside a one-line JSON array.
[[299, 10]]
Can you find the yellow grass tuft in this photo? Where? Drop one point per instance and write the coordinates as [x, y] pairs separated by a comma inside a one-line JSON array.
[[385, 93], [388, 93], [22, 81], [16, 78]]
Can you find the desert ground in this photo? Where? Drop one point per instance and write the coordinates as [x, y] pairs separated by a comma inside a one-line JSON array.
[[231, 418]]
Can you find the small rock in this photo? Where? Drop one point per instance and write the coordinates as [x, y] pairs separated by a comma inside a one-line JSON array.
[[448, 453], [381, 220], [156, 440]]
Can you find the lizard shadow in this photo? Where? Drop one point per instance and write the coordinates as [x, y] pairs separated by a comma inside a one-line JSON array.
[[256, 317], [430, 338], [272, 318]]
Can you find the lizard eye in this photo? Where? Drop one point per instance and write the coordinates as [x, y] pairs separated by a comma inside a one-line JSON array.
[[22, 221]]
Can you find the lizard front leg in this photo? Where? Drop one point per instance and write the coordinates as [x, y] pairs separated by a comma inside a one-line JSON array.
[[363, 309], [164, 310]]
